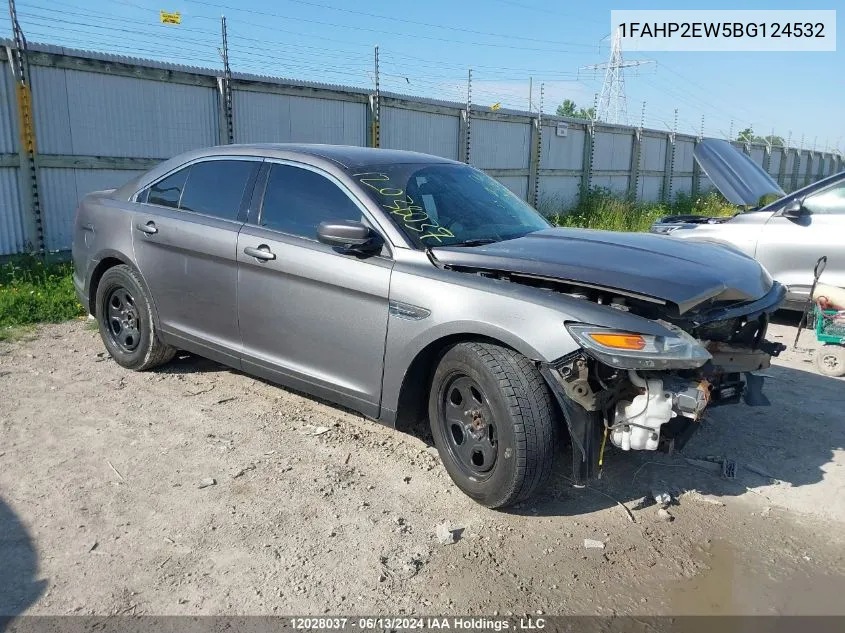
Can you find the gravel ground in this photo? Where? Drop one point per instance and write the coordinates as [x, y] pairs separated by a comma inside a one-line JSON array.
[[104, 507]]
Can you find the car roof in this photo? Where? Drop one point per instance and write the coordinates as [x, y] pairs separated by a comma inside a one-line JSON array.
[[347, 156]]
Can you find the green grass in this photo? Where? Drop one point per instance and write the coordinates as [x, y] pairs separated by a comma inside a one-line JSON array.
[[33, 292], [600, 209]]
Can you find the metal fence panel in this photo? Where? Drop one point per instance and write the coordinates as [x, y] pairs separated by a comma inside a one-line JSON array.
[[144, 118], [8, 115], [517, 184], [62, 189], [264, 117], [681, 185], [12, 238], [653, 153], [500, 144], [684, 158], [562, 152], [418, 131], [558, 192], [616, 184], [612, 151], [650, 188], [774, 163], [757, 155]]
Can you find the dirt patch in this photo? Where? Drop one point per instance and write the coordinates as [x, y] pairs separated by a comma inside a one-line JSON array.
[[107, 504]]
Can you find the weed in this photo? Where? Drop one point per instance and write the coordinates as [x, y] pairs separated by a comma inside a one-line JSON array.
[[601, 209], [33, 292]]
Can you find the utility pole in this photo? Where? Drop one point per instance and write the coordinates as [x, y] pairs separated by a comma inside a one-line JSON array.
[[376, 106], [19, 60], [612, 105], [227, 85], [468, 117]]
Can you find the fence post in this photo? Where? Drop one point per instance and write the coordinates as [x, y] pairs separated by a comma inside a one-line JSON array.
[[27, 150], [534, 160], [784, 152], [696, 168], [634, 170], [536, 154], [587, 161], [796, 167], [462, 135], [668, 168], [808, 173]]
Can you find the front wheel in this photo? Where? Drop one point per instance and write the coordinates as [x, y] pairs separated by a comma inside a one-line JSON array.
[[493, 422], [830, 359]]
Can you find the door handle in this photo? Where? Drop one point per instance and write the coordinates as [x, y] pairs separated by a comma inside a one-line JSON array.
[[149, 228], [263, 252]]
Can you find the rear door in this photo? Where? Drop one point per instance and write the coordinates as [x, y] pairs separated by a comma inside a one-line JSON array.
[[789, 248], [311, 317], [185, 235]]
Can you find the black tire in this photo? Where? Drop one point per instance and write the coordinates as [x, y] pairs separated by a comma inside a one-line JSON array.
[[504, 454], [127, 327]]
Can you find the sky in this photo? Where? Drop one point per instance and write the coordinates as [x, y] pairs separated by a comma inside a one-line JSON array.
[[426, 49]]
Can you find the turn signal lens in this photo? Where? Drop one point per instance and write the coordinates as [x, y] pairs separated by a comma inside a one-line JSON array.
[[618, 341], [632, 350]]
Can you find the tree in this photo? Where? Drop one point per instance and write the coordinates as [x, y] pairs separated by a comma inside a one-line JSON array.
[[747, 136], [568, 108]]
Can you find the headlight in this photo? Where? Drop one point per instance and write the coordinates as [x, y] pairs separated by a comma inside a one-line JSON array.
[[630, 350]]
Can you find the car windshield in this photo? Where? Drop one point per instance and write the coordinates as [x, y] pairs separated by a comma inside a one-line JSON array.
[[448, 204]]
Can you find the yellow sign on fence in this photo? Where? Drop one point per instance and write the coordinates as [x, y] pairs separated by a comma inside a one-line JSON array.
[[170, 18], [495, 106]]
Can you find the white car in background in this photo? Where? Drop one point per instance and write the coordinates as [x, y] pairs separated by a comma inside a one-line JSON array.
[[786, 236]]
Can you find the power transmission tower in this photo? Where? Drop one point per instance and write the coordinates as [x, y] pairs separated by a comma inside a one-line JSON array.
[[612, 105]]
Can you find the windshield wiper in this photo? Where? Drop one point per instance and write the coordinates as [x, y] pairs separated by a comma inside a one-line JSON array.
[[478, 242]]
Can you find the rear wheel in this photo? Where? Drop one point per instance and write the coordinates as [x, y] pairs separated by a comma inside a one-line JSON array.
[[830, 359], [127, 327], [493, 422]]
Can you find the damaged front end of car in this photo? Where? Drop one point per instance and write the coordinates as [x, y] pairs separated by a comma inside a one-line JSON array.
[[647, 392]]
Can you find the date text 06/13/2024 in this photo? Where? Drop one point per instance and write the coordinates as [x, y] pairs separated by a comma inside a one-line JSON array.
[[406, 623]]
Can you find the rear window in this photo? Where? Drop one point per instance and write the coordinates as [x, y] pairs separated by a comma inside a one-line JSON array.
[[216, 187], [167, 192]]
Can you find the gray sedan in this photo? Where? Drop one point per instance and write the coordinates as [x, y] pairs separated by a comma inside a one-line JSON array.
[[407, 286]]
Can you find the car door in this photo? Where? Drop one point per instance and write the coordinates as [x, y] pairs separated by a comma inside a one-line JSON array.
[[790, 247], [185, 238], [310, 316]]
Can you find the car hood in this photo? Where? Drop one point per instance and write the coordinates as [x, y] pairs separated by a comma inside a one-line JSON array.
[[735, 175], [658, 267]]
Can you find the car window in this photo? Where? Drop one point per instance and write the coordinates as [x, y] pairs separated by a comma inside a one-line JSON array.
[[831, 200], [168, 191], [296, 200], [216, 187]]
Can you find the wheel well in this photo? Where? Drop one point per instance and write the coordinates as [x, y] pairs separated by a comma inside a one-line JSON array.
[[413, 395], [99, 271]]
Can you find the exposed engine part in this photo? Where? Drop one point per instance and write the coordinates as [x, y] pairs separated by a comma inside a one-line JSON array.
[[574, 379], [636, 423], [688, 399]]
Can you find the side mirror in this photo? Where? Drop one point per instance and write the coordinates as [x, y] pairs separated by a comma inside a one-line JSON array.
[[349, 236], [793, 210]]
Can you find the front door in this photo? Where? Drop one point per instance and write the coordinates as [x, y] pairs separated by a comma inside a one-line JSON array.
[[185, 234], [311, 317], [789, 248]]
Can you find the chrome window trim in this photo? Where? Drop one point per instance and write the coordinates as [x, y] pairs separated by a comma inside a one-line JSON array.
[[190, 163]]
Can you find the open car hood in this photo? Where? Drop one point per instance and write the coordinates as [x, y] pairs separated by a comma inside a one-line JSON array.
[[735, 175], [680, 272]]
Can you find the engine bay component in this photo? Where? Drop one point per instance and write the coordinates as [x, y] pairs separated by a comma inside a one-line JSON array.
[[636, 423]]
